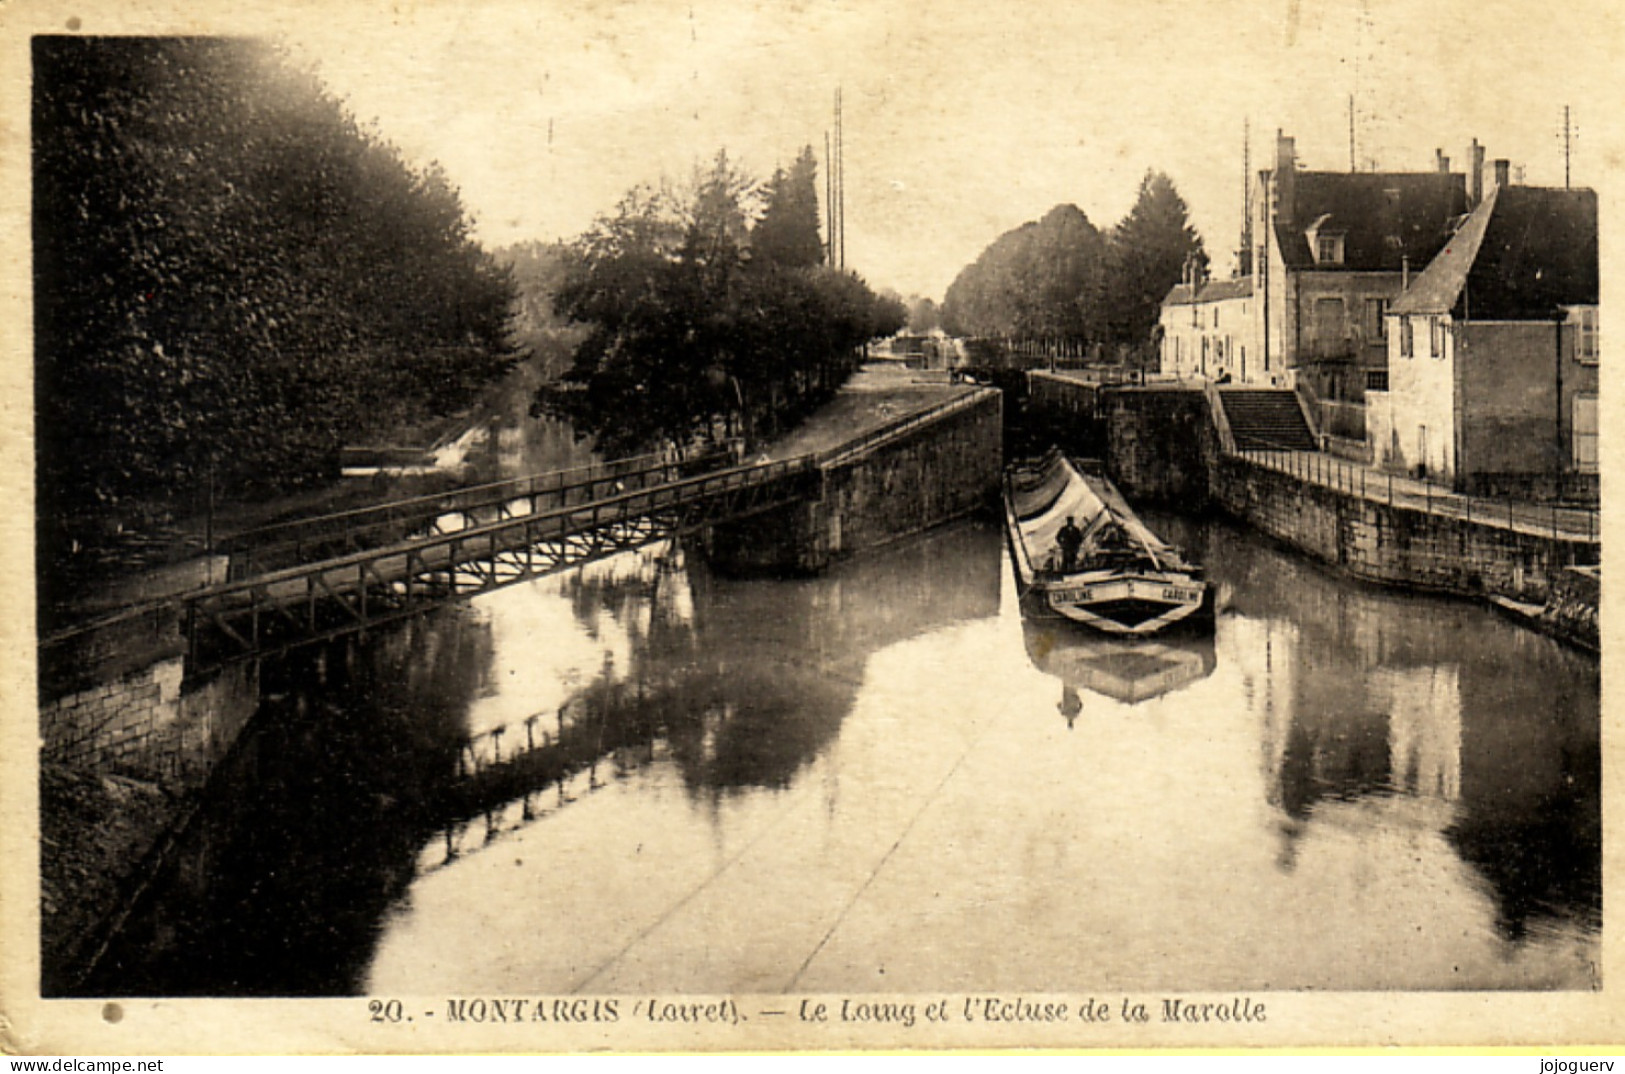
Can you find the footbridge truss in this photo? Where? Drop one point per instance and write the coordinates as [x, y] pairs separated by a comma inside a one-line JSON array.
[[500, 542]]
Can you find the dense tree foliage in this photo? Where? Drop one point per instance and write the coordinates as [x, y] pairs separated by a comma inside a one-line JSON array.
[[923, 315], [1041, 280], [787, 234], [697, 323], [539, 332], [1149, 249], [231, 277], [1060, 280]]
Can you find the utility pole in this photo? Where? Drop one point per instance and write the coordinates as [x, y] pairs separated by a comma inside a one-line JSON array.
[[1351, 132], [1566, 147], [840, 185], [1245, 260], [829, 204]]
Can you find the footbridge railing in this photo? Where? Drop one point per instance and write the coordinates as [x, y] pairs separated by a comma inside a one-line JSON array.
[[285, 544], [283, 608]]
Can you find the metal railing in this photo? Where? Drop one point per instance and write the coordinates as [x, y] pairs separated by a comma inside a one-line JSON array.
[[264, 547], [651, 495], [280, 609], [362, 538], [569, 518], [1558, 522], [896, 428]]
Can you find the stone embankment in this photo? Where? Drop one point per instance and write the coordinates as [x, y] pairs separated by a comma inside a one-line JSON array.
[[899, 454]]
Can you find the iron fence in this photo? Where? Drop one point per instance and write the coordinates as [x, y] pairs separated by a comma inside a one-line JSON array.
[[1556, 521]]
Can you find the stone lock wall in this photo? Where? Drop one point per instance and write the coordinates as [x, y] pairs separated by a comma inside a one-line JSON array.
[[1160, 444], [1393, 544], [144, 724], [932, 473], [1064, 412]]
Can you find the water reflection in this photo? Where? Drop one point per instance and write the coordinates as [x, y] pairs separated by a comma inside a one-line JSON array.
[[312, 823], [1433, 715], [1130, 671], [641, 776], [382, 757]]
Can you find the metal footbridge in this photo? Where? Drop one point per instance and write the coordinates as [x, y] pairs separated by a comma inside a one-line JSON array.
[[398, 559]]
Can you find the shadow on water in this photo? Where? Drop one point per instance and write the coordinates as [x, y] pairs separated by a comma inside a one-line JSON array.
[[1426, 712], [310, 827], [363, 766], [1130, 671], [1345, 734]]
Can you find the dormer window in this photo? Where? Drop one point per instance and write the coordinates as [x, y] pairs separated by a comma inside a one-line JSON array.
[[1325, 243]]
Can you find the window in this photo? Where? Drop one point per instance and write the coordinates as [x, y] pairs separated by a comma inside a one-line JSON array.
[[1376, 318], [1585, 433], [1328, 333], [1436, 336], [1376, 380], [1407, 337], [1584, 319], [1329, 249], [1215, 316]]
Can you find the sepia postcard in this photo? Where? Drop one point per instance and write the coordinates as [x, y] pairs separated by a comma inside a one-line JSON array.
[[560, 527]]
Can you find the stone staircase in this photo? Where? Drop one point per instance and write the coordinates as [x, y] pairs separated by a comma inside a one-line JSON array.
[[1261, 419]]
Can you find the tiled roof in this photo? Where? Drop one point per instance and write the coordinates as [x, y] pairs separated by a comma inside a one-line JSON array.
[[1211, 291], [1438, 286], [1384, 217], [1522, 254]]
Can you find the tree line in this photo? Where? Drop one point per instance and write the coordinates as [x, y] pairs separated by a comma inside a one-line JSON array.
[[1060, 280], [233, 278], [708, 311]]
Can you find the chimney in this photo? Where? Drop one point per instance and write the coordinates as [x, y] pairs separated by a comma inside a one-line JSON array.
[[1477, 175], [1286, 175], [1441, 163], [1503, 169]]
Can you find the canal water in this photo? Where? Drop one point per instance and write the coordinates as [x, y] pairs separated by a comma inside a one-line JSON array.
[[643, 776]]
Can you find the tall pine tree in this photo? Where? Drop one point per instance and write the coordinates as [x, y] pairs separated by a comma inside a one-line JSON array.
[[787, 234], [1148, 253]]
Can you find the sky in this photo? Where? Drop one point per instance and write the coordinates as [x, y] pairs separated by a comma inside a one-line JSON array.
[[962, 119]]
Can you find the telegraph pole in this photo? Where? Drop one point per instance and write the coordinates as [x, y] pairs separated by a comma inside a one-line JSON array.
[[840, 185], [1245, 260], [1567, 148], [829, 204], [1351, 132]]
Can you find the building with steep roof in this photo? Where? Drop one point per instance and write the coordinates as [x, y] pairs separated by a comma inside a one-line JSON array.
[[1493, 351], [1330, 252]]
